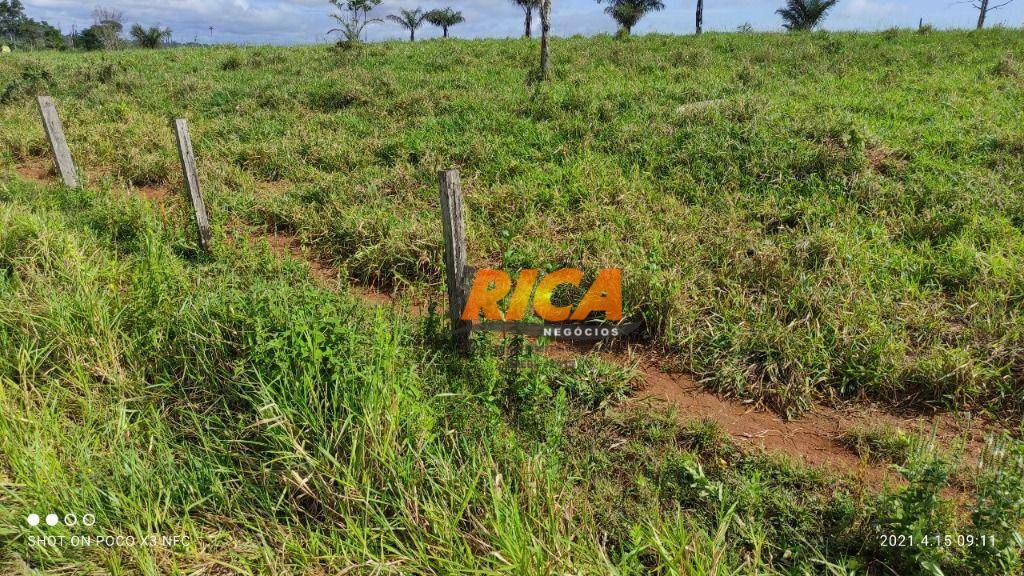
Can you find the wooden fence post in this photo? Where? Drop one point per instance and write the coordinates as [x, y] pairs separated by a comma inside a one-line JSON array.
[[456, 271], [58, 143], [188, 169]]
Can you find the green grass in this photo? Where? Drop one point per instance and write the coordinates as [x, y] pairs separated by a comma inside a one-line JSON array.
[[285, 428], [799, 217], [882, 443]]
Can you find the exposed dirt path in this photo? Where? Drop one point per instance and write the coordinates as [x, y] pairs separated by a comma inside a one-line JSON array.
[[819, 438], [154, 193], [41, 171], [815, 439]]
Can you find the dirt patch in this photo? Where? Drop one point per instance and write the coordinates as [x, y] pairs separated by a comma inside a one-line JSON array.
[[374, 296], [813, 440], [817, 439], [36, 170], [42, 171], [885, 161], [270, 190], [276, 187], [283, 245], [286, 245], [154, 193]]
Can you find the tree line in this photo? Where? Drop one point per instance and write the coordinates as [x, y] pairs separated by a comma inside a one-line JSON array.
[[796, 15], [106, 32], [353, 16]]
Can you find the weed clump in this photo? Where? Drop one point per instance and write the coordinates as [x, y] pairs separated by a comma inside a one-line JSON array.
[[24, 80], [1008, 67], [881, 444], [333, 97], [232, 62], [917, 529]]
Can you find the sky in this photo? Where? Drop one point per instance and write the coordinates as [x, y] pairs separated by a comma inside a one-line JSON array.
[[307, 21]]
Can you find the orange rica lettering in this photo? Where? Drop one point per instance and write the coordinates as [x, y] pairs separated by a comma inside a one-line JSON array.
[[520, 301], [483, 298], [604, 295], [491, 286], [546, 290]]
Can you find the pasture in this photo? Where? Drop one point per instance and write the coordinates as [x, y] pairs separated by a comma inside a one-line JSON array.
[[802, 220]]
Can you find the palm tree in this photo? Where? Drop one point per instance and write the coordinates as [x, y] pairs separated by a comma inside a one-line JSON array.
[[628, 12], [804, 14], [528, 7], [353, 16], [445, 18], [410, 20], [151, 37]]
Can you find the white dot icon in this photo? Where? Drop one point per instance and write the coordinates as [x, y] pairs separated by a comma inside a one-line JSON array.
[[33, 519], [52, 519]]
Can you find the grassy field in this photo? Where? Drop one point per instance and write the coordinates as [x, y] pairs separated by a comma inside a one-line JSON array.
[[800, 218]]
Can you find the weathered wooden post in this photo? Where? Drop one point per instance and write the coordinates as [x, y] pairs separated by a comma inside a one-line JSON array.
[[58, 143], [188, 169], [456, 271]]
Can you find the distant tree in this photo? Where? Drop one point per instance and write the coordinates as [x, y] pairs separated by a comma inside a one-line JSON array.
[[700, 16], [105, 33], [410, 20], [39, 35], [12, 14], [151, 37], [18, 29], [528, 7], [353, 17], [545, 33], [984, 7], [102, 14], [88, 39], [628, 12], [99, 37], [804, 14], [445, 18]]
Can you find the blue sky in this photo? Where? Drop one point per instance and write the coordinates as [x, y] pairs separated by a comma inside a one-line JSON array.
[[306, 21]]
